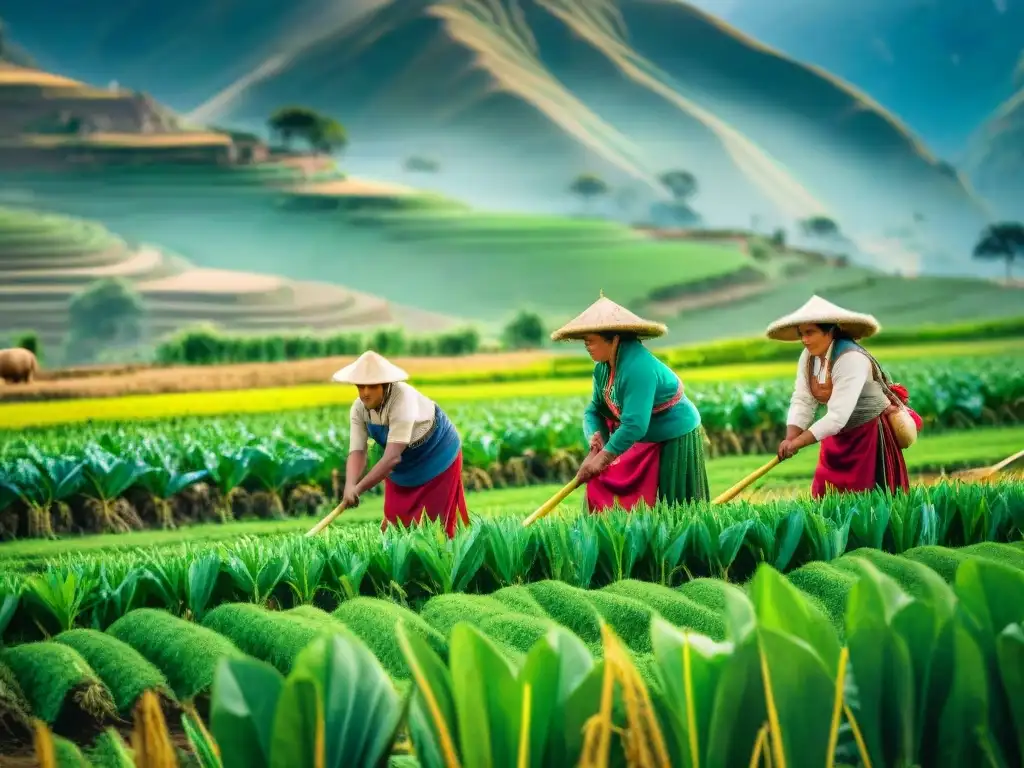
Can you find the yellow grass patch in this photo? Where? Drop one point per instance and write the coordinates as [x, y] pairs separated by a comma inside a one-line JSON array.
[[352, 188], [131, 140], [138, 407], [220, 402], [11, 74]]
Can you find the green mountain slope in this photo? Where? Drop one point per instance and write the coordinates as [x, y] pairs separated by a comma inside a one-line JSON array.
[[527, 93]]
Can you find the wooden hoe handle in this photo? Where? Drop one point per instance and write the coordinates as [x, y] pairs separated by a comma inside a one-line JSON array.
[[328, 519]]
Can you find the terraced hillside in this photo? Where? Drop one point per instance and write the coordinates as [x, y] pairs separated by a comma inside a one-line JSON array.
[[82, 680], [515, 99], [45, 258], [704, 284], [52, 121]]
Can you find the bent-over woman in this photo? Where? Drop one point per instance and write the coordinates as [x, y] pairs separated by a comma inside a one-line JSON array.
[[859, 448], [644, 434], [422, 462]]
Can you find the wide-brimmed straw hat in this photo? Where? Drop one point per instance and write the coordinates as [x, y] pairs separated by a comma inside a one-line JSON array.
[[370, 368], [819, 310], [605, 316]]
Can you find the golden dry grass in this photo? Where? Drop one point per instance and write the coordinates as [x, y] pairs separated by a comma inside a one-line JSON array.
[[12, 74], [131, 140], [352, 188]]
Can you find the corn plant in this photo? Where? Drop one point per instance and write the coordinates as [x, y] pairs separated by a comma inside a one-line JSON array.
[[56, 599], [256, 568], [306, 564], [449, 564], [667, 545]]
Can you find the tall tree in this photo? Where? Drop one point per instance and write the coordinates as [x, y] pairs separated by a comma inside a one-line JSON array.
[[328, 136], [525, 331], [819, 226], [1004, 240], [588, 186], [682, 184], [107, 313], [290, 123]]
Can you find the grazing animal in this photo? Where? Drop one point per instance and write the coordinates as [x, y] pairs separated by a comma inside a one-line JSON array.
[[17, 365]]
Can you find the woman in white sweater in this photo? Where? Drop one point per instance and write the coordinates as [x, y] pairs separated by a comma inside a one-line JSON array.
[[422, 463], [859, 449]]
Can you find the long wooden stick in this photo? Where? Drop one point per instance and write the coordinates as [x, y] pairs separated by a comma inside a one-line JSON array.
[[738, 488], [985, 472], [553, 502], [548, 506], [328, 519]]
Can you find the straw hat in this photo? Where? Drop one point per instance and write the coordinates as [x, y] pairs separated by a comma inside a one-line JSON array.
[[605, 316], [370, 368], [819, 310]]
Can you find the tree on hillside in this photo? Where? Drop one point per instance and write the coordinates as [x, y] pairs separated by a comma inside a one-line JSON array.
[[525, 331], [328, 136], [107, 313], [1004, 240], [320, 132], [682, 184], [588, 186], [819, 226], [289, 123]]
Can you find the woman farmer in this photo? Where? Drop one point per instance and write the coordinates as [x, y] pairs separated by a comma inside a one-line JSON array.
[[644, 434], [422, 462], [859, 448]]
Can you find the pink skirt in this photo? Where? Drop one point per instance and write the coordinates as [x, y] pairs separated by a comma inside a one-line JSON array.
[[630, 479]]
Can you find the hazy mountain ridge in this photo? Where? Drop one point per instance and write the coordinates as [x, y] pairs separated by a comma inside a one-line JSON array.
[[996, 163], [514, 97], [943, 67]]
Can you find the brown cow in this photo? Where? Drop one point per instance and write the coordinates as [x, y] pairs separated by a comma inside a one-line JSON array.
[[17, 365]]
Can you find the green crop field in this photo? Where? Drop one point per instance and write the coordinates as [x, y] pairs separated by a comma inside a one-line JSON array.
[[640, 603], [895, 301], [116, 477], [484, 266], [571, 376], [931, 455]]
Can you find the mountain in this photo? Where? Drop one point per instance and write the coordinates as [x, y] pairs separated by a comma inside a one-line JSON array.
[[996, 162], [516, 97], [11, 52], [942, 66]]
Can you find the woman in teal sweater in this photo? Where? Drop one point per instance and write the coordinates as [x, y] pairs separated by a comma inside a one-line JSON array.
[[644, 433]]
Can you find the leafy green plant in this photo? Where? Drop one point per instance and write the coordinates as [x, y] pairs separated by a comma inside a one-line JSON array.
[[666, 545], [505, 443], [336, 708]]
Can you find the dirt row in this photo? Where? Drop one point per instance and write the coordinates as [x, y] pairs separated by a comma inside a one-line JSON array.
[[115, 381]]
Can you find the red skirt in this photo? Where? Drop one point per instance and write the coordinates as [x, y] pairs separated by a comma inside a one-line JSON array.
[[862, 459], [443, 497], [630, 479]]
